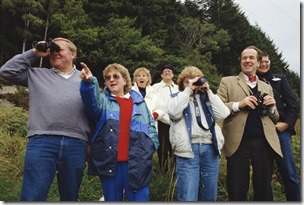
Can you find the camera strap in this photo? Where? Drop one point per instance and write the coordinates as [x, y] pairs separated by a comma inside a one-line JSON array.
[[207, 108], [208, 114]]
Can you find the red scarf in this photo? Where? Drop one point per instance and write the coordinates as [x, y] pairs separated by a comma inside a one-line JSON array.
[[252, 78]]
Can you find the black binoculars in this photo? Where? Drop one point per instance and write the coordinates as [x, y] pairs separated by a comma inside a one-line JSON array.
[[50, 44], [201, 81]]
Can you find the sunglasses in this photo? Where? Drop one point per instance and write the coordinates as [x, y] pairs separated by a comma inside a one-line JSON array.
[[108, 77]]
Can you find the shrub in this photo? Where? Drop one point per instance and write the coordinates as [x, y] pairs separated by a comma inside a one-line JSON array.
[[11, 162], [13, 120], [162, 187]]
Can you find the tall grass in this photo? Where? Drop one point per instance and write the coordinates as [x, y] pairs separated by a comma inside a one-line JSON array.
[[162, 188]]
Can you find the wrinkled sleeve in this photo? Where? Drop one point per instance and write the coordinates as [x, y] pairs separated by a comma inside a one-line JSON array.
[[152, 131], [161, 109], [16, 69], [219, 109], [178, 102], [222, 92], [292, 107], [91, 98]]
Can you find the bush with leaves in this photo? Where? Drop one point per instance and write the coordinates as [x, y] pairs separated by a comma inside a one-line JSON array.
[[162, 187], [13, 120]]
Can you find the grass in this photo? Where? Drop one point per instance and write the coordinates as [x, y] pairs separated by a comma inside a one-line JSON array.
[[162, 187]]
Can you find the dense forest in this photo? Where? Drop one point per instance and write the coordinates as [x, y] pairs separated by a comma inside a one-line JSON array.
[[209, 34]]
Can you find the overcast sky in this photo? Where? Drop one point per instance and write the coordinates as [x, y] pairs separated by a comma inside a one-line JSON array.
[[280, 20]]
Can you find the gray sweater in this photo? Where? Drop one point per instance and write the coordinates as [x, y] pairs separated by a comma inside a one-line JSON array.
[[55, 105]]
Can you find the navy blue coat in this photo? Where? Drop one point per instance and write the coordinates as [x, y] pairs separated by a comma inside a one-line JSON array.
[[104, 110], [286, 102]]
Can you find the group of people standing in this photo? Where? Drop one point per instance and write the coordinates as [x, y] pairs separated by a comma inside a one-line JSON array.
[[119, 128]]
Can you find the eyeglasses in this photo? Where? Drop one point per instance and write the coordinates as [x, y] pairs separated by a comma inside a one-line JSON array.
[[108, 77], [167, 71], [267, 62]]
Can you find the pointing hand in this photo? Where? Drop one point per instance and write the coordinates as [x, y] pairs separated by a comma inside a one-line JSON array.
[[85, 73]]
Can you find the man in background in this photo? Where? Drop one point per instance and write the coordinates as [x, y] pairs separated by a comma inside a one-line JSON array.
[[287, 106], [165, 88]]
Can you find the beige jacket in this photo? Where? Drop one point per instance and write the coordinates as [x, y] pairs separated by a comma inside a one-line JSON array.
[[233, 89]]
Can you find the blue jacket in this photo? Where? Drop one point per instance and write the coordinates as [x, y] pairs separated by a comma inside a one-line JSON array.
[[104, 110], [286, 102]]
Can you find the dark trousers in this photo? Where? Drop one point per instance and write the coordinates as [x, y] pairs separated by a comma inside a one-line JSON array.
[[257, 153], [165, 150]]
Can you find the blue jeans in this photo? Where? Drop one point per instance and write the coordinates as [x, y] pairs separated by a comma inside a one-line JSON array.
[[287, 168], [197, 177], [114, 186], [47, 154]]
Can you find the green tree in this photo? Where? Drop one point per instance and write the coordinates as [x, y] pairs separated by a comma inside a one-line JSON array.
[[226, 15], [17, 23], [278, 63], [30, 15], [155, 36], [71, 21], [122, 43], [197, 40]]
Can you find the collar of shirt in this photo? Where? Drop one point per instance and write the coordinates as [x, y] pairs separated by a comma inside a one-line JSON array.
[[251, 84], [127, 96], [65, 75], [163, 84]]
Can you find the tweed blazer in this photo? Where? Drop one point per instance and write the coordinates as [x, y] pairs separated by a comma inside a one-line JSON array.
[[234, 89]]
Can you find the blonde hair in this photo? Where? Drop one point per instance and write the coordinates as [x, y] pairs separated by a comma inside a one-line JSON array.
[[124, 73], [188, 72], [70, 44], [146, 71]]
